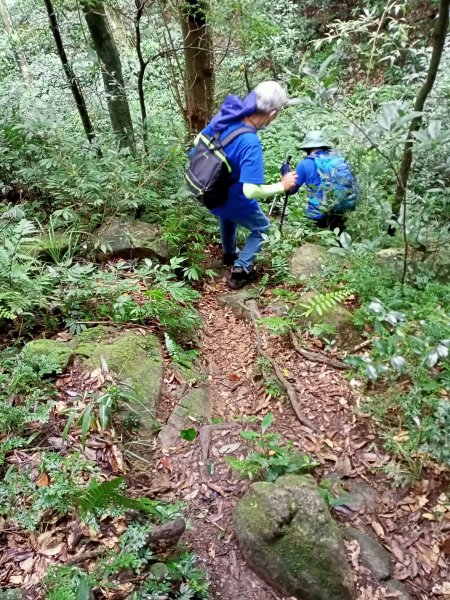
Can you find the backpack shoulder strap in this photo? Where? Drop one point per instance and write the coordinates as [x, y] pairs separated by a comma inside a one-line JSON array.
[[236, 133]]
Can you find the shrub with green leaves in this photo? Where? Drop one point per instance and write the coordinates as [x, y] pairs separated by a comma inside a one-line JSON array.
[[270, 455]]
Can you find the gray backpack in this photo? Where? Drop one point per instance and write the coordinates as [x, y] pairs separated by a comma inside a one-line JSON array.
[[208, 176]]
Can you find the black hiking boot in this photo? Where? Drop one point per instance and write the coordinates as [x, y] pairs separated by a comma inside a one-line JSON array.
[[229, 258], [239, 278]]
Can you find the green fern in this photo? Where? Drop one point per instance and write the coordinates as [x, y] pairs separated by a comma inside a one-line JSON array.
[[276, 325], [61, 593], [178, 354], [323, 303], [99, 497]]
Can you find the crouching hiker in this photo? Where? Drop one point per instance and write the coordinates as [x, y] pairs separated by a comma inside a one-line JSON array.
[[226, 174], [332, 189]]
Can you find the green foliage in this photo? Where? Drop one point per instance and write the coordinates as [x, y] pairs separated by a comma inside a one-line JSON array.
[[178, 354], [25, 502], [323, 303], [22, 282], [271, 456]]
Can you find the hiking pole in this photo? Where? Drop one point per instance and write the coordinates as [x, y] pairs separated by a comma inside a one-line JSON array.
[[285, 168]]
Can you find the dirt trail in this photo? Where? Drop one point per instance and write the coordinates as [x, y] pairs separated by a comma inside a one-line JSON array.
[[343, 443]]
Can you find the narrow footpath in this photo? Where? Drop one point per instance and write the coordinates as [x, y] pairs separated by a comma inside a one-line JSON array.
[[343, 440]]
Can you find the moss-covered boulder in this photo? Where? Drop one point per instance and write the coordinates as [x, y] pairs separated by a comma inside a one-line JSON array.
[[308, 260], [50, 355], [85, 342], [121, 238], [137, 362], [287, 535]]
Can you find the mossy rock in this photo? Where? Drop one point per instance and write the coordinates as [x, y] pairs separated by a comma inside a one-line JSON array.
[[308, 260], [56, 355], [287, 535], [137, 362], [122, 238], [85, 343]]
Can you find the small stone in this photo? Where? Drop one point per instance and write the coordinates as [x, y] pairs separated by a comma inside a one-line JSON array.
[[159, 571], [359, 496], [137, 362], [393, 585], [372, 554], [236, 301], [197, 404], [339, 320]]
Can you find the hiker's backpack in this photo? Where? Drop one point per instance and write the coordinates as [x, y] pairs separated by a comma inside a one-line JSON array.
[[339, 188], [208, 176]]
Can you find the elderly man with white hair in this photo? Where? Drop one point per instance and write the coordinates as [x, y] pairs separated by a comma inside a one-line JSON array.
[[244, 155]]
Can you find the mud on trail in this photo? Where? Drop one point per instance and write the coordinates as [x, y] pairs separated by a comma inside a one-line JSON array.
[[343, 440]]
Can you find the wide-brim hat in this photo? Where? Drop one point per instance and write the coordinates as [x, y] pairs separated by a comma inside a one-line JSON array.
[[315, 139]]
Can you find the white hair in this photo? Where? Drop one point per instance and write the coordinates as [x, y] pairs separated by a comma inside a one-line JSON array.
[[270, 96]]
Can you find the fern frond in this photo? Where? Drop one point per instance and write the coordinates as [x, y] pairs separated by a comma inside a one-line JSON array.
[[98, 497], [61, 593], [323, 303]]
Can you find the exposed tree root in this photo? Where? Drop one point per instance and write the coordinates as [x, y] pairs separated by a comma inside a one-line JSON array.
[[290, 391], [318, 358]]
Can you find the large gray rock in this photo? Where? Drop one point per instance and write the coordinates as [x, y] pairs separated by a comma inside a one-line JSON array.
[[137, 362], [120, 238], [308, 260], [288, 536], [195, 403], [372, 554]]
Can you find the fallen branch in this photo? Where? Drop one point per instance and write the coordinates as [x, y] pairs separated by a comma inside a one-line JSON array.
[[290, 391], [318, 358], [167, 532], [362, 345], [205, 439], [85, 556]]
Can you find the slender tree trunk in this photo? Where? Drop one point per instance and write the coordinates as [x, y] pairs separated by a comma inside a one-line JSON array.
[[21, 61], [439, 35], [140, 6], [108, 55], [198, 55], [71, 78]]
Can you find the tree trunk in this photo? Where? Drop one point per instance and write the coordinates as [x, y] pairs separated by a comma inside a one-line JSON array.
[[198, 55], [108, 55], [20, 59], [439, 35], [140, 6], [71, 78]]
